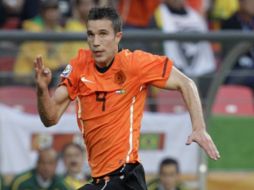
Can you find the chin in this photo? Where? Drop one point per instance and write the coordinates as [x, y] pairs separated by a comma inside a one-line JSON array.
[[100, 60]]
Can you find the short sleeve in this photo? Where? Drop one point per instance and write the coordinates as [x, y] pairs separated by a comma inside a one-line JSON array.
[[152, 69], [70, 75]]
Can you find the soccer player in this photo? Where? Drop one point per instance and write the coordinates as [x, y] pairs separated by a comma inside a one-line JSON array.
[[109, 85]]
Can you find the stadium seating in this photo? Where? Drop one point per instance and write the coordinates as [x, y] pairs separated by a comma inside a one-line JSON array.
[[6, 63], [20, 97], [233, 100], [170, 102], [11, 23]]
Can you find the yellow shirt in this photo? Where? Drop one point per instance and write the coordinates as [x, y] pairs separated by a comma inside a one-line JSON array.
[[71, 48], [53, 53], [223, 9], [74, 183]]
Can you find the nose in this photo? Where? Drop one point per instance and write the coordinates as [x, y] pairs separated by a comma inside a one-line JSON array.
[[96, 41]]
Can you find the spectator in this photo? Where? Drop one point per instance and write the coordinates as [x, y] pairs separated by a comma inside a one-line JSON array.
[[223, 9], [43, 176], [74, 158], [169, 175], [242, 20], [48, 20], [193, 58], [132, 15], [77, 24]]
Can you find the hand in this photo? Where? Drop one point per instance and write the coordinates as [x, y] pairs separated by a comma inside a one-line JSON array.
[[43, 75], [205, 141]]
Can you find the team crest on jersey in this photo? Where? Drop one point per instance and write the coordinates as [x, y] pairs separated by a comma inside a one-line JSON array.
[[120, 77], [67, 71]]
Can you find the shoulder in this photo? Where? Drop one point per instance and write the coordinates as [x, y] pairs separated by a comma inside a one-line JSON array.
[[82, 57], [74, 25], [141, 56], [77, 64], [137, 56], [21, 179], [59, 182], [35, 24]]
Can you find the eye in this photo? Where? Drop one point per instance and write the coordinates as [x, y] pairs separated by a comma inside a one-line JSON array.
[[90, 34], [103, 34]]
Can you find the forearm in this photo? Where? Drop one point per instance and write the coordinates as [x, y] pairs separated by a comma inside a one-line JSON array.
[[46, 107], [192, 100]]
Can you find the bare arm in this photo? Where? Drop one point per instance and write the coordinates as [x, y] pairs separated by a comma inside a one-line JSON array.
[[178, 81], [52, 107]]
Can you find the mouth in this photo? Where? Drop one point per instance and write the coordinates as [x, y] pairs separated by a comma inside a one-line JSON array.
[[98, 53], [73, 164]]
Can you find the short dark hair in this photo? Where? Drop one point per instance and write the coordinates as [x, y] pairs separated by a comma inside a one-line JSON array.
[[169, 161], [109, 13]]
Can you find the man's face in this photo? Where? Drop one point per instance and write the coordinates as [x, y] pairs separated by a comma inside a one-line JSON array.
[[83, 7], [46, 166], [102, 41], [73, 160], [51, 16], [169, 176], [248, 6]]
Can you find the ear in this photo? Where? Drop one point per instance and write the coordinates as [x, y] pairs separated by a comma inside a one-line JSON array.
[[119, 36]]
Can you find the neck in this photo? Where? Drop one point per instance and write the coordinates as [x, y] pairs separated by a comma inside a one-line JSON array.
[[107, 63], [49, 25], [45, 183]]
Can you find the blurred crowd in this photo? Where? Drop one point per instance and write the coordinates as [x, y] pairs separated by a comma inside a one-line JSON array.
[[44, 174], [196, 59]]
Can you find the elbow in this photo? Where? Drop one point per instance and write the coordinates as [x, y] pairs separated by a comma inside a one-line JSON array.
[[187, 84]]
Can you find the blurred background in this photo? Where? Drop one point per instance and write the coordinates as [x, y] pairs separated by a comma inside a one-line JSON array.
[[211, 41]]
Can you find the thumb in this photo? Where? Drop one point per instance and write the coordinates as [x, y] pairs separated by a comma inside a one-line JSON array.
[[189, 140]]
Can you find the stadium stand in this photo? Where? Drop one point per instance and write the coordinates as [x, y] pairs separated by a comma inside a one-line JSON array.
[[20, 97], [233, 100], [6, 63], [170, 102]]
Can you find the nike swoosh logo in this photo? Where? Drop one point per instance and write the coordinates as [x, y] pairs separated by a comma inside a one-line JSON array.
[[83, 79]]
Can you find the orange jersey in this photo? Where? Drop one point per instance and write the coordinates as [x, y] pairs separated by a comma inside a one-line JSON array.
[[138, 12], [111, 104], [196, 4]]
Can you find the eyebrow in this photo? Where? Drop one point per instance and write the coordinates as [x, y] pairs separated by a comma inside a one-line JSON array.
[[101, 30]]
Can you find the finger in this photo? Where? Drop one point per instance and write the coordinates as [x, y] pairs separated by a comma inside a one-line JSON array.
[[189, 140], [212, 151], [46, 71], [36, 68], [215, 151], [39, 61]]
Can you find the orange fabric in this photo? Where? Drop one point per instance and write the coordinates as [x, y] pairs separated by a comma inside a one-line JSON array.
[[196, 4], [138, 12], [111, 104]]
